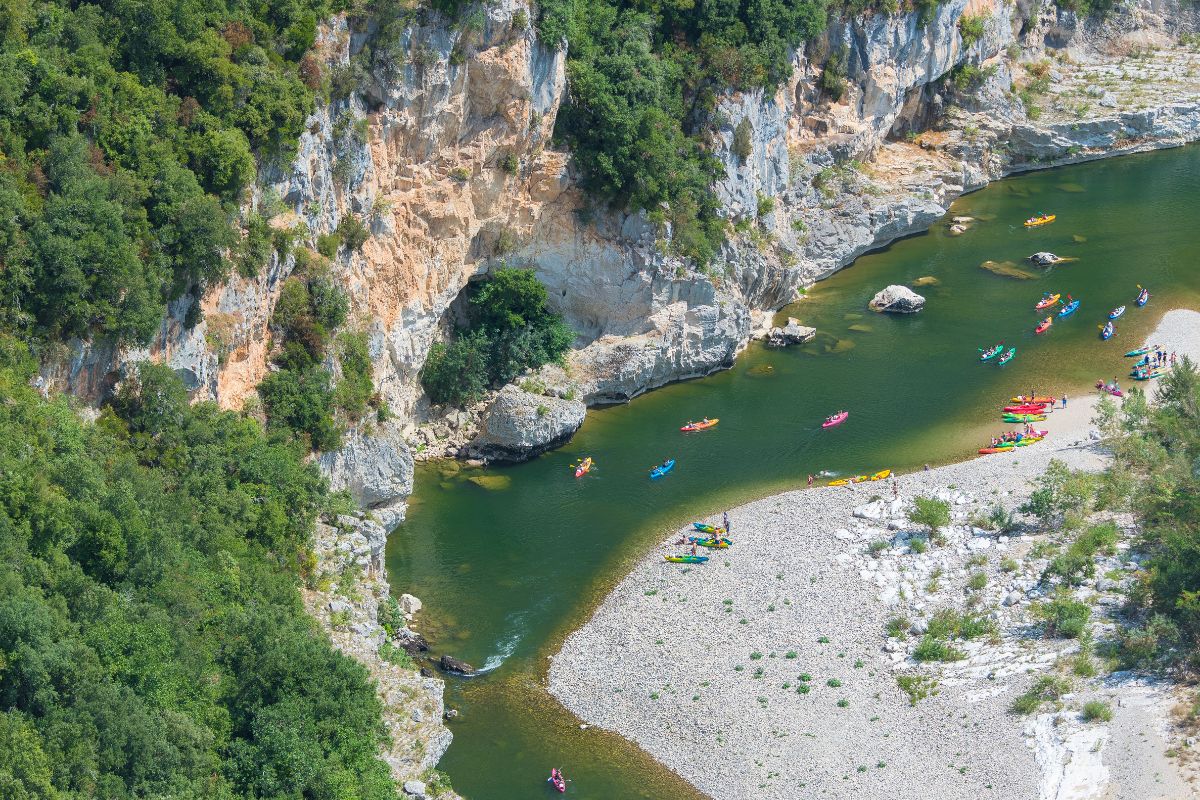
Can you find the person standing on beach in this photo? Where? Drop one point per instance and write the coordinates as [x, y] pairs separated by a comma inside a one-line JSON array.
[[1064, 401], [896, 487], [725, 519], [810, 480]]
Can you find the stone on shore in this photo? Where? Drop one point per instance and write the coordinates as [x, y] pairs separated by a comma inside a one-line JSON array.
[[519, 425], [451, 664], [410, 604], [790, 334], [897, 300]]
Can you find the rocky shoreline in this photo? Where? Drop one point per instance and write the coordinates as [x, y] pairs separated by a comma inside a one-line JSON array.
[[786, 666]]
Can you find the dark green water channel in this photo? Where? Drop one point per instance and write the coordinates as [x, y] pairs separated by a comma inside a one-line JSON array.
[[507, 571]]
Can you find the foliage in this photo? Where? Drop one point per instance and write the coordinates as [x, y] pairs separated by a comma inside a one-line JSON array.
[[644, 80], [151, 631], [1097, 711], [967, 77], [971, 28], [355, 390], [742, 143], [510, 329], [1062, 496], [833, 74], [930, 512], [128, 132], [932, 649], [1048, 688], [1064, 616], [917, 687], [1077, 562]]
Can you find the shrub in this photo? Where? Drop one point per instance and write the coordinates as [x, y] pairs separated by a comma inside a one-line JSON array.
[[878, 546], [1065, 617], [977, 581], [932, 649], [742, 143], [352, 232], [971, 29], [930, 512], [948, 623], [302, 403], [1047, 688], [1097, 711], [833, 75], [766, 205], [510, 164], [917, 687], [918, 544], [897, 627], [833, 683], [355, 388]]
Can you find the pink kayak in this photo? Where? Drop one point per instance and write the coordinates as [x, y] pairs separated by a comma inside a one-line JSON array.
[[836, 419], [1102, 386]]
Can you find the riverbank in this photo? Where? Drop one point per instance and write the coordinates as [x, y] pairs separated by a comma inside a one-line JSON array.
[[704, 667]]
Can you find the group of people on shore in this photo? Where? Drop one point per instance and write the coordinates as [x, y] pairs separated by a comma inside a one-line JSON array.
[[1015, 436]]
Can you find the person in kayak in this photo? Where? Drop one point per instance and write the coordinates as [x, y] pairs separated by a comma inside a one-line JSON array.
[[666, 461]]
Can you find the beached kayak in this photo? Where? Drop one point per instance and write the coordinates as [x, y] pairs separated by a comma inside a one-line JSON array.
[[1044, 219], [583, 467], [1041, 401], [1145, 376], [836, 419], [1029, 408], [998, 449], [699, 426], [689, 559], [1116, 312], [1023, 418], [840, 482], [1107, 331], [662, 469], [714, 543], [991, 352], [1143, 297], [1007, 357], [1044, 325], [1102, 386], [1029, 440], [881, 475], [704, 527], [1047, 301], [1069, 309]]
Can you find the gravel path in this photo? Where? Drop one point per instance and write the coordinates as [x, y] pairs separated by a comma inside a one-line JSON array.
[[704, 667]]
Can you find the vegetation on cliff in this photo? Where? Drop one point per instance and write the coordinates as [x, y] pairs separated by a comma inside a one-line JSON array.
[[152, 639], [509, 329], [128, 131]]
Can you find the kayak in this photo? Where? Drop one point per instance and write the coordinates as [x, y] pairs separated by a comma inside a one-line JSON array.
[[1044, 325], [583, 467], [703, 542], [1007, 357], [1023, 418], [706, 528], [991, 352], [1045, 219], [1114, 392], [1041, 401], [1069, 308], [1029, 440], [1147, 376], [1141, 351], [882, 474], [662, 469], [686, 559], [1047, 301], [840, 482], [1116, 312], [1107, 331], [861, 478], [699, 426], [557, 781], [836, 419], [1032, 408], [989, 450], [1143, 297]]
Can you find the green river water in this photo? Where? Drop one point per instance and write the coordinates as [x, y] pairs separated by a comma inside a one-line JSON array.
[[506, 571]]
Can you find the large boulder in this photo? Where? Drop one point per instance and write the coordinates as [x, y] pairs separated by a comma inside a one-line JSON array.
[[453, 665], [377, 469], [1044, 259], [792, 333], [519, 425], [897, 300]]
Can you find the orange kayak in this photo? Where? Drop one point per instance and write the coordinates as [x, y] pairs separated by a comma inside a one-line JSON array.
[[700, 426]]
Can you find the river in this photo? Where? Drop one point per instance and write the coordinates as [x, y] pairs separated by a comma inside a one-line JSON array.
[[507, 569]]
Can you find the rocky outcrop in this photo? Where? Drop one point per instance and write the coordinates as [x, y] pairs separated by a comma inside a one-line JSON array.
[[1044, 259], [790, 334], [352, 587], [897, 300], [519, 425], [455, 666], [376, 467]]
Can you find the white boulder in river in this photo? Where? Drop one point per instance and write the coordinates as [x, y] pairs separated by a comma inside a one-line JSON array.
[[520, 425], [792, 333], [898, 300], [1044, 259]]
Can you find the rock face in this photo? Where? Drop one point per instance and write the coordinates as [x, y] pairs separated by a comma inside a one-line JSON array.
[[519, 425], [897, 300], [792, 333], [376, 468]]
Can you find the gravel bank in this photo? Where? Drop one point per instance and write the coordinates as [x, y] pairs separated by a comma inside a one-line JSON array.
[[703, 667]]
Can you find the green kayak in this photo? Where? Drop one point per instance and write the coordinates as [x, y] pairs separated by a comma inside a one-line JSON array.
[[686, 559]]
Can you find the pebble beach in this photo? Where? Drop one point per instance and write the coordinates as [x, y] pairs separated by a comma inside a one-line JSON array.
[[770, 672]]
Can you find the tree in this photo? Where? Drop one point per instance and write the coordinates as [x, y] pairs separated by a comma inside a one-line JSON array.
[[930, 512]]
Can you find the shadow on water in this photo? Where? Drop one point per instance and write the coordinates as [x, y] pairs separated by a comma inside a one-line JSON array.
[[508, 567]]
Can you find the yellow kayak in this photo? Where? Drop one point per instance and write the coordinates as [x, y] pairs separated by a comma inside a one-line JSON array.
[[839, 482], [861, 478], [1033, 222], [883, 473]]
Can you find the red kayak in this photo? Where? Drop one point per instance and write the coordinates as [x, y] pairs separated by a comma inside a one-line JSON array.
[[557, 781], [1026, 408]]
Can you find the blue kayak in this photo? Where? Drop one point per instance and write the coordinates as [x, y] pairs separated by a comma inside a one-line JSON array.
[[1069, 308], [662, 469]]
